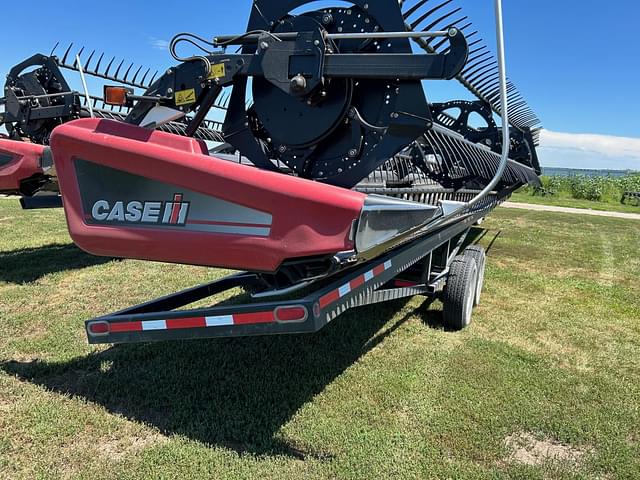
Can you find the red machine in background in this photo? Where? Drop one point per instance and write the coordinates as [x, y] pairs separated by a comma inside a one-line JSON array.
[[23, 167]]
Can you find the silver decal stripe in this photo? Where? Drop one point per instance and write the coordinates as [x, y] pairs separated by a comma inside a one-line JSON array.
[[120, 199]]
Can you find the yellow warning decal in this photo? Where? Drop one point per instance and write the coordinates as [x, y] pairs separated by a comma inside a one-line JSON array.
[[186, 97], [218, 71]]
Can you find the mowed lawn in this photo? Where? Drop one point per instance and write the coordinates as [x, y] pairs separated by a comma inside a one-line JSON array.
[[545, 384]]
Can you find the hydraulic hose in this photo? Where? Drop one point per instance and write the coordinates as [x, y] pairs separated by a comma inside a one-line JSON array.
[[504, 106]]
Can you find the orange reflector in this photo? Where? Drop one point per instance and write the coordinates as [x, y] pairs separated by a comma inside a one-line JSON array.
[[296, 313], [99, 328], [116, 95]]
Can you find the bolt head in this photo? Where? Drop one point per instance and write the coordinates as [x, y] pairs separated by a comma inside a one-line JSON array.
[[452, 32], [353, 152]]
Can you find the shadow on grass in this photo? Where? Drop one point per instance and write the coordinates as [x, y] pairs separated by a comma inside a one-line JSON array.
[[30, 264], [235, 393]]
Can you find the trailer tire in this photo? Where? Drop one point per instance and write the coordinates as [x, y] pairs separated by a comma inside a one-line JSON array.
[[460, 292], [480, 256]]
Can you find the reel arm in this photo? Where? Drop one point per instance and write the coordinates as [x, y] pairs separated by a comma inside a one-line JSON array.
[[297, 64]]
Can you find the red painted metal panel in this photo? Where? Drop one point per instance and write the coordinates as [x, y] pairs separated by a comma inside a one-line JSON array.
[[308, 218], [25, 163]]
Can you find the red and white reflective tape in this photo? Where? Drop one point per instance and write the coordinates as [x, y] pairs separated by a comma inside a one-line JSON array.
[[101, 327], [335, 295]]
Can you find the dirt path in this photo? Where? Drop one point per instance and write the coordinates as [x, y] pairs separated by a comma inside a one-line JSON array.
[[579, 211]]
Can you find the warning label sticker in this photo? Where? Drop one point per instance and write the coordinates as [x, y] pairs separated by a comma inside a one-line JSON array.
[[217, 71], [186, 97]]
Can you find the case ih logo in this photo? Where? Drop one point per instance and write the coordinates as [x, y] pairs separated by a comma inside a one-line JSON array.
[[163, 213]]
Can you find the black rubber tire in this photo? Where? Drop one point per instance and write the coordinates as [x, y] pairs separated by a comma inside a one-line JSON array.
[[480, 256], [459, 293]]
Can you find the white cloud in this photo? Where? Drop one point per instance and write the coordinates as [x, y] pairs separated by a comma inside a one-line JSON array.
[[158, 43], [585, 150]]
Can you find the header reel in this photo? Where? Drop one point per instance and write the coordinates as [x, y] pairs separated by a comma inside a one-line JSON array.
[[336, 92]]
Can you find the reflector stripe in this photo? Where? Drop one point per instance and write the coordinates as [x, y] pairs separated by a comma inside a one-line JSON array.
[[378, 270], [254, 318], [126, 327], [154, 325], [329, 298], [222, 321], [357, 282], [180, 323], [335, 295]]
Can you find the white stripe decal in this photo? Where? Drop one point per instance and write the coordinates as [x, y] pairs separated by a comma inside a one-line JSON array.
[[154, 325], [368, 276], [344, 290], [219, 321]]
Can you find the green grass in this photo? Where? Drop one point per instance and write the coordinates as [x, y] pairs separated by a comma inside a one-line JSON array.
[[561, 200], [382, 392]]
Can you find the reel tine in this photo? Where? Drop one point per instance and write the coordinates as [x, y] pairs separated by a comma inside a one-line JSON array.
[[482, 73], [79, 54], [490, 83], [479, 49], [66, 54], [144, 77], [481, 70], [86, 65], [413, 9], [54, 49], [96, 70], [473, 59], [474, 43], [439, 20], [135, 76], [106, 73], [115, 75], [153, 78], [430, 12], [478, 64], [127, 72]]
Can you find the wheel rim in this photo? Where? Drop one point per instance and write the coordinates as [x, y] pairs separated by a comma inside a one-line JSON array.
[[480, 284], [469, 306]]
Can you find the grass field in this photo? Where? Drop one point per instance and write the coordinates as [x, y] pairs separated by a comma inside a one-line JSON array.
[[566, 201], [545, 384]]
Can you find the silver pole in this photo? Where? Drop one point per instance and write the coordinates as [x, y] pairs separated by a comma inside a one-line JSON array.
[[84, 85], [389, 35], [504, 107]]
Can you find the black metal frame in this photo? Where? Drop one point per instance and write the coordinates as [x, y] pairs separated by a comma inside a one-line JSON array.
[[403, 262]]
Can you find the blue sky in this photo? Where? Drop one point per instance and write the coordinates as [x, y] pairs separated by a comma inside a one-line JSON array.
[[576, 62]]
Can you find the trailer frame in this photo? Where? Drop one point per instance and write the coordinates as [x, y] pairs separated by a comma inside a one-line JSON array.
[[417, 268]]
